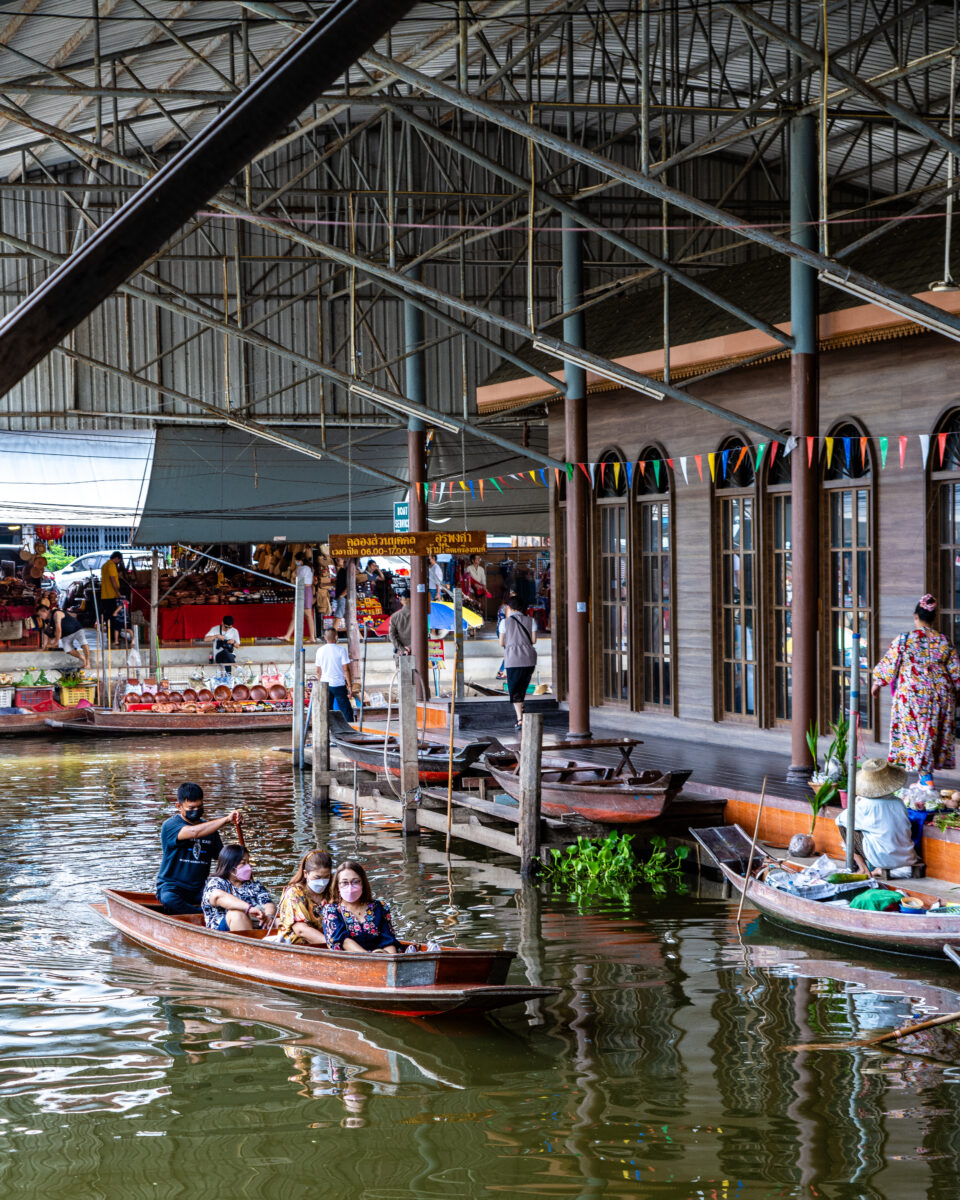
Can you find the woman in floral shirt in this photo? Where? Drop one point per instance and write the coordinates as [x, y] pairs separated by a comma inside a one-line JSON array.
[[232, 899], [353, 920], [300, 918], [924, 669]]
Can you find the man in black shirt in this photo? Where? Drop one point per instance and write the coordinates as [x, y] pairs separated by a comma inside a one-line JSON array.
[[189, 846]]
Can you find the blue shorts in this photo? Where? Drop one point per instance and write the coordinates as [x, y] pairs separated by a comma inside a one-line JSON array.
[[220, 926]]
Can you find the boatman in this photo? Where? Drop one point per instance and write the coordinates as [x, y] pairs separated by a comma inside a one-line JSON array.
[[189, 846]]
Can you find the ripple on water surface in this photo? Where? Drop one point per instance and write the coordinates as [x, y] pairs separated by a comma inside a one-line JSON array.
[[660, 1071]]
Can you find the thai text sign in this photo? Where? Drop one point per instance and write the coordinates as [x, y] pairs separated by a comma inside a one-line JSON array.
[[362, 545]]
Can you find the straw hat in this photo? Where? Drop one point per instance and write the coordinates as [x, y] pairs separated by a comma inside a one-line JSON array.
[[877, 778]]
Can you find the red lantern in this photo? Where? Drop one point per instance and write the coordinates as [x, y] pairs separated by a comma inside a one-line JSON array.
[[50, 533]]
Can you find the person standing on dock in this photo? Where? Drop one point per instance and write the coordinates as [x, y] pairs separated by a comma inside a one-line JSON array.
[[189, 846], [518, 636], [400, 627], [333, 667]]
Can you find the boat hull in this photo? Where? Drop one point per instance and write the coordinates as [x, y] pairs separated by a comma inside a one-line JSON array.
[[892, 933], [423, 984], [106, 723], [617, 802], [433, 760], [35, 724]]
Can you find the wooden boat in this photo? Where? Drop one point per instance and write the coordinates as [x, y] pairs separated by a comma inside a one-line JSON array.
[[608, 795], [893, 932], [433, 758], [105, 722], [419, 984], [23, 722]]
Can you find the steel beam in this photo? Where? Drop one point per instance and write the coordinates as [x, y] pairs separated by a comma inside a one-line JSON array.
[[205, 164]]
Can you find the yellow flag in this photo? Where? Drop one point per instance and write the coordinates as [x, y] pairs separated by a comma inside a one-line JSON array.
[[616, 472], [712, 460], [829, 442]]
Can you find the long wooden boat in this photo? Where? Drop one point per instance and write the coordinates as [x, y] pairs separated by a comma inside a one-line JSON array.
[[604, 794], [105, 722], [433, 758], [24, 723], [418, 984], [923, 934]]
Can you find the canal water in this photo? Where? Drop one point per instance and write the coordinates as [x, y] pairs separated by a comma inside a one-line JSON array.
[[662, 1070]]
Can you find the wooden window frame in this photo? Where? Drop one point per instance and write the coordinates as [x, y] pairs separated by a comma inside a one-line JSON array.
[[638, 701], [610, 455], [769, 493]]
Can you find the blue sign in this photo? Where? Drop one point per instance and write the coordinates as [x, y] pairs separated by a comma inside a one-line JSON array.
[[401, 518]]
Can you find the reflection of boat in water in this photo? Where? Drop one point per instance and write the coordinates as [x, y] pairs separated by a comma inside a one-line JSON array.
[[893, 932], [421, 983]]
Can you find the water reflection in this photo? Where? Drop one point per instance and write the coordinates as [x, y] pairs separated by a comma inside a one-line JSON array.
[[659, 1071]]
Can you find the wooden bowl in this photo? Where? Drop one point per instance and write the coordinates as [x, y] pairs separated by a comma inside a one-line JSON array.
[[205, 695], [132, 698], [278, 692], [190, 695], [221, 692], [241, 692], [163, 697], [176, 697], [258, 693]]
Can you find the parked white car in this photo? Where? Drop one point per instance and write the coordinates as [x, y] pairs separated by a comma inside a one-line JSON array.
[[88, 565]]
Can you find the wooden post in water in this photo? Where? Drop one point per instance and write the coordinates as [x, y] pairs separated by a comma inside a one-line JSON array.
[[409, 768], [154, 658], [296, 725], [528, 830], [321, 745], [458, 644]]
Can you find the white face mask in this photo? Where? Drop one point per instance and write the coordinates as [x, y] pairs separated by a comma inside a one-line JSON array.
[[318, 885]]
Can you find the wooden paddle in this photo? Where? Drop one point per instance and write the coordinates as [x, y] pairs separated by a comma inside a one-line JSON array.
[[239, 829]]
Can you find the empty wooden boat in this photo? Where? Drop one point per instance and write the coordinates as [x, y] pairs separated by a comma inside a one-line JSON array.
[[379, 752], [419, 984], [23, 722], [608, 795], [105, 722], [893, 932]]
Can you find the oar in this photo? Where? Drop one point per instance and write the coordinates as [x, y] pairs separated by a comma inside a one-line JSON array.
[[239, 829], [753, 846]]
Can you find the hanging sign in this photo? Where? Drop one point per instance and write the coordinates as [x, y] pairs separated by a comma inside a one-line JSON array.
[[362, 545], [401, 517]]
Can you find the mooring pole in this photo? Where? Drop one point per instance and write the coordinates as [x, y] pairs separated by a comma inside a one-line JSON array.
[[409, 767], [297, 723], [154, 656], [528, 830], [805, 422], [320, 766], [415, 380], [578, 493], [852, 743], [458, 644]]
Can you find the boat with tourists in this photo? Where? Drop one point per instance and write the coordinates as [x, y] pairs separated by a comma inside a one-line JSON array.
[[380, 752], [414, 983], [608, 795], [823, 910]]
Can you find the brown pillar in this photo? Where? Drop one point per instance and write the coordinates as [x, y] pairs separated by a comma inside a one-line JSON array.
[[419, 596], [579, 497]]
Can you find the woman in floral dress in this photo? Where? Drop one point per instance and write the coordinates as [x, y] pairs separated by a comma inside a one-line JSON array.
[[924, 670], [353, 920], [300, 917]]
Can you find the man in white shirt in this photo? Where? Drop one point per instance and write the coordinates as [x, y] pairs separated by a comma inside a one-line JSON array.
[[333, 667], [225, 641], [435, 578]]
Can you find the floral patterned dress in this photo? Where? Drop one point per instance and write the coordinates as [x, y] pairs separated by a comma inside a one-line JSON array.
[[250, 892], [925, 671], [299, 905], [372, 931]]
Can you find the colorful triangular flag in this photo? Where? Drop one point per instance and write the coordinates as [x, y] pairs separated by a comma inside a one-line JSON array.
[[683, 468], [828, 442], [884, 443], [760, 450], [656, 471], [570, 470], [774, 447], [497, 485], [863, 450], [810, 442], [903, 448], [712, 460], [480, 481], [846, 450], [724, 459], [629, 467], [924, 447], [616, 473], [583, 468], [543, 476], [472, 492], [941, 445], [698, 459], [743, 451]]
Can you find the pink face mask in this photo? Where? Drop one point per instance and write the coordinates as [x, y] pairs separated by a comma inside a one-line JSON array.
[[244, 872], [351, 889]]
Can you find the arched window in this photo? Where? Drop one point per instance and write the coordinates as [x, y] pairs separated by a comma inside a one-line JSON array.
[[612, 600], [778, 516], [736, 516], [848, 589], [944, 510], [652, 480]]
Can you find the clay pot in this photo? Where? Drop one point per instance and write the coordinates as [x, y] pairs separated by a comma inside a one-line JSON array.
[[801, 846]]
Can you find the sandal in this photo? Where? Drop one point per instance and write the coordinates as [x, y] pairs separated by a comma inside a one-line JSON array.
[[519, 725], [501, 674]]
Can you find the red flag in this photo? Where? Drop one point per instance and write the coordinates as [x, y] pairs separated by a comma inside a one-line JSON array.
[[810, 442], [774, 447], [502, 480], [670, 463], [433, 491], [698, 459], [583, 468], [603, 471], [941, 443], [903, 449]]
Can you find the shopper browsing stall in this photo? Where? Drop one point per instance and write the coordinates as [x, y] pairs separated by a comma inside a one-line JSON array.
[[225, 639]]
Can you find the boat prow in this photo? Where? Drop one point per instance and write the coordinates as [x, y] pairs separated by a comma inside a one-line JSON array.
[[422, 983]]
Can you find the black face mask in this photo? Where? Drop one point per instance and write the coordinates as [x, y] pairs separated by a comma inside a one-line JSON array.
[[193, 815]]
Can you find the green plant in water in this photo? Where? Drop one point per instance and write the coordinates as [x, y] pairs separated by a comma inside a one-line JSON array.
[[608, 868]]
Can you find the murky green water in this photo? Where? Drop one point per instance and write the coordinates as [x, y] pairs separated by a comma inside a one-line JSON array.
[[661, 1070]]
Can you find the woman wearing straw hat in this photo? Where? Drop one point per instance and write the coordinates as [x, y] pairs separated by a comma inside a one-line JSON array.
[[881, 837], [924, 671]]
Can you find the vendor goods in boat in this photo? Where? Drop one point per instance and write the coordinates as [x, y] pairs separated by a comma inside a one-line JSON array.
[[433, 758], [241, 692], [420, 983], [23, 722], [190, 695], [279, 692], [608, 795], [221, 692], [258, 693], [822, 910]]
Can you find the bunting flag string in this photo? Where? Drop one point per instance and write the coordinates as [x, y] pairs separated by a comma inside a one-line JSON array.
[[698, 459], [828, 442], [925, 448], [941, 444], [903, 449], [712, 460], [884, 443], [683, 468]]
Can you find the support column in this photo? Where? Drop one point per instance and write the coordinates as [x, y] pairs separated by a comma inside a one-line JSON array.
[[578, 495], [804, 423], [416, 457], [154, 653]]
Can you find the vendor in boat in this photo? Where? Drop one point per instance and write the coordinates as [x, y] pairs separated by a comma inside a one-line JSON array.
[[353, 920], [232, 899], [189, 845], [881, 836], [300, 916]]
